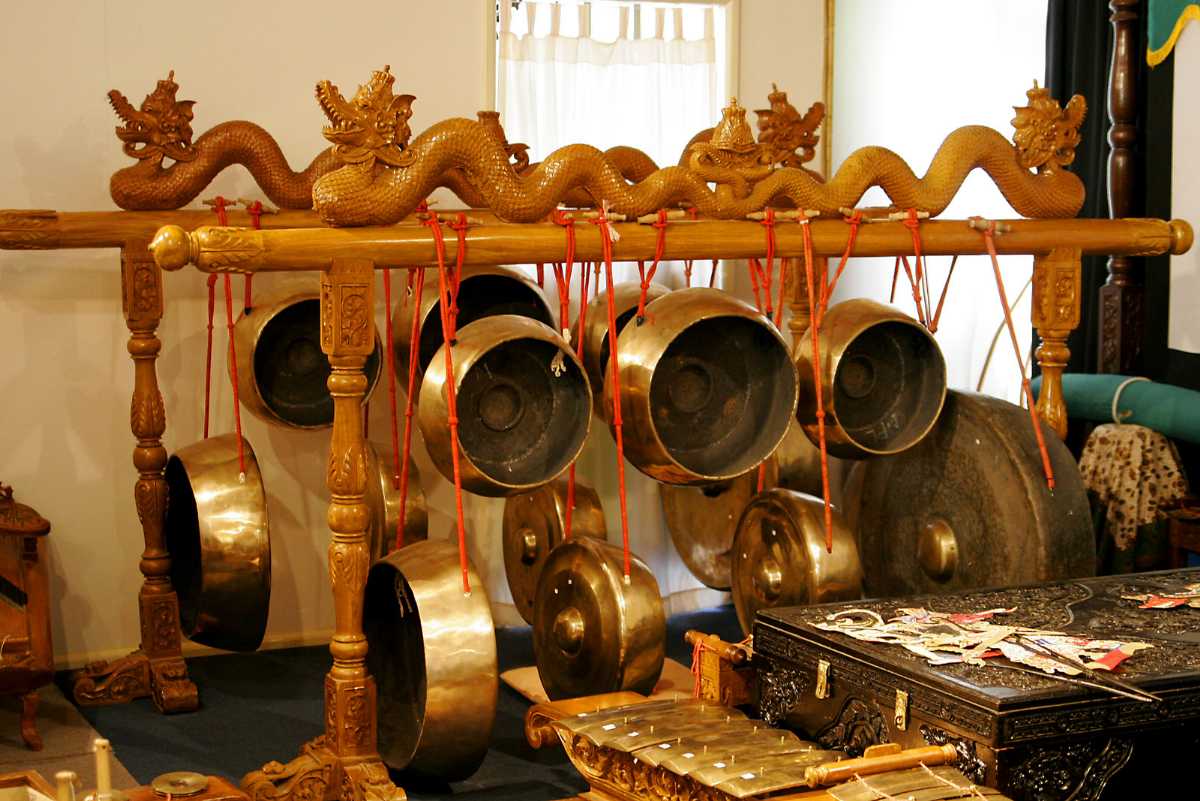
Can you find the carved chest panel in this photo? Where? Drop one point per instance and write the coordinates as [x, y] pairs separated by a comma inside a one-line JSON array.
[[1030, 736]]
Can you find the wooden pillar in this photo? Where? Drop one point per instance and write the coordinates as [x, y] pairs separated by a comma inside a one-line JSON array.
[[343, 763], [1121, 297], [1055, 313], [157, 669]]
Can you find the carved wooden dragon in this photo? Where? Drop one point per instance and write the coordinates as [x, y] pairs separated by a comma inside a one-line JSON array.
[[161, 129], [382, 190]]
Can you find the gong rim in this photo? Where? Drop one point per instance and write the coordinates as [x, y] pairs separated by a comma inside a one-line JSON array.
[[868, 349], [432, 652], [780, 559], [273, 310], [485, 290], [383, 505], [218, 537], [626, 296], [677, 323], [968, 507], [535, 524], [554, 422], [592, 633]]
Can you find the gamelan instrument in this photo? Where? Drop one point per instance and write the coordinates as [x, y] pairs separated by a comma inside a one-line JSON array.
[[524, 406], [779, 556], [535, 522], [432, 651], [595, 333], [592, 631], [703, 520], [691, 749], [282, 373], [383, 502], [969, 506], [219, 541], [883, 380], [708, 387], [484, 290]]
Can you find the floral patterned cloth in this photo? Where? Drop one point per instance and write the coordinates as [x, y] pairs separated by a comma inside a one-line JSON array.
[[1134, 472]]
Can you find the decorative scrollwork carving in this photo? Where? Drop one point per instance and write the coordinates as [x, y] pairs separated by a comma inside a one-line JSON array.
[[857, 726], [1078, 770], [968, 762], [33, 229], [780, 691]]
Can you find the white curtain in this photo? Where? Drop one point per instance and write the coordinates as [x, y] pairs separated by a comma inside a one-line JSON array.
[[645, 75]]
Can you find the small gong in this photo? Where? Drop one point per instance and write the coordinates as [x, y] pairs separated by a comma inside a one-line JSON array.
[[592, 632], [780, 559], [534, 523], [383, 502], [282, 372], [969, 507]]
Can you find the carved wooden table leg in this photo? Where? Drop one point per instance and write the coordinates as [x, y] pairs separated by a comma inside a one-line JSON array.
[[1055, 313], [157, 668], [29, 732], [343, 763]]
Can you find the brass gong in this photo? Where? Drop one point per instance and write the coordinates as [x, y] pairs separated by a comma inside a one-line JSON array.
[[383, 503], [883, 380], [485, 290], [708, 388], [523, 406], [282, 373], [432, 651], [217, 535], [703, 520], [592, 632], [595, 331], [779, 556], [534, 523], [969, 507]]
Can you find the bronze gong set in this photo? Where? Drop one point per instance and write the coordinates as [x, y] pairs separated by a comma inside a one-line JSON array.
[[715, 407]]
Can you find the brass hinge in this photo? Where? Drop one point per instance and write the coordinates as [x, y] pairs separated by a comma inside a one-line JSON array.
[[822, 689], [901, 710]]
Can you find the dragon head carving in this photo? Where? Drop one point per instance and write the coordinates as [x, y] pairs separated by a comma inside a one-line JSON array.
[[371, 125], [1045, 133], [790, 135], [160, 128]]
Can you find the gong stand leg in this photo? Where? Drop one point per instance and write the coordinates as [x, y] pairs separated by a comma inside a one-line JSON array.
[[157, 668], [1055, 313], [799, 322], [343, 763]]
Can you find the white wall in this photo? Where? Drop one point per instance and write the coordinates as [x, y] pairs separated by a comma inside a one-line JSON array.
[[1183, 331], [65, 443]]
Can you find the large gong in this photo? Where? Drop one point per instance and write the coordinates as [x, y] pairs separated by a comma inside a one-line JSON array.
[[282, 373], [592, 632], [432, 651], [780, 558], [703, 520], [969, 507], [534, 523]]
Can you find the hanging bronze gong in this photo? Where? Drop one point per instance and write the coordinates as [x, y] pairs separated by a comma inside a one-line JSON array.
[[969, 507], [523, 406], [217, 535], [703, 520], [592, 632], [282, 372], [883, 380], [708, 388], [485, 290], [534, 523], [595, 332], [432, 651], [383, 503], [780, 559]]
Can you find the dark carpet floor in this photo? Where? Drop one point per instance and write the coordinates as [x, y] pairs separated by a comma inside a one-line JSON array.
[[262, 706]]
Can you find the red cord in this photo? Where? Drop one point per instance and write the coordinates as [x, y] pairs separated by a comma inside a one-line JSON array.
[[233, 378], [784, 272], [918, 280], [391, 371], [218, 205], [606, 248], [937, 315], [563, 277], [255, 211], [815, 316], [769, 223], [854, 221], [755, 271], [660, 246], [541, 275], [989, 234], [416, 280]]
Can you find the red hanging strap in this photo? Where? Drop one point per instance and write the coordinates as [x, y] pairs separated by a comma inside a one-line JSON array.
[[815, 314], [855, 222], [218, 206], [416, 283], [937, 315], [768, 223], [989, 238], [916, 275], [606, 248], [563, 276], [660, 246], [255, 210], [391, 371], [541, 275], [233, 379]]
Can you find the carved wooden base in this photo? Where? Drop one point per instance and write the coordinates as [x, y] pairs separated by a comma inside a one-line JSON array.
[[318, 774], [136, 676], [29, 732]]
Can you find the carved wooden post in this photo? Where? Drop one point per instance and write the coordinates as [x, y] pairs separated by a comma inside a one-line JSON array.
[[1121, 297], [157, 669], [1055, 313], [344, 762]]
